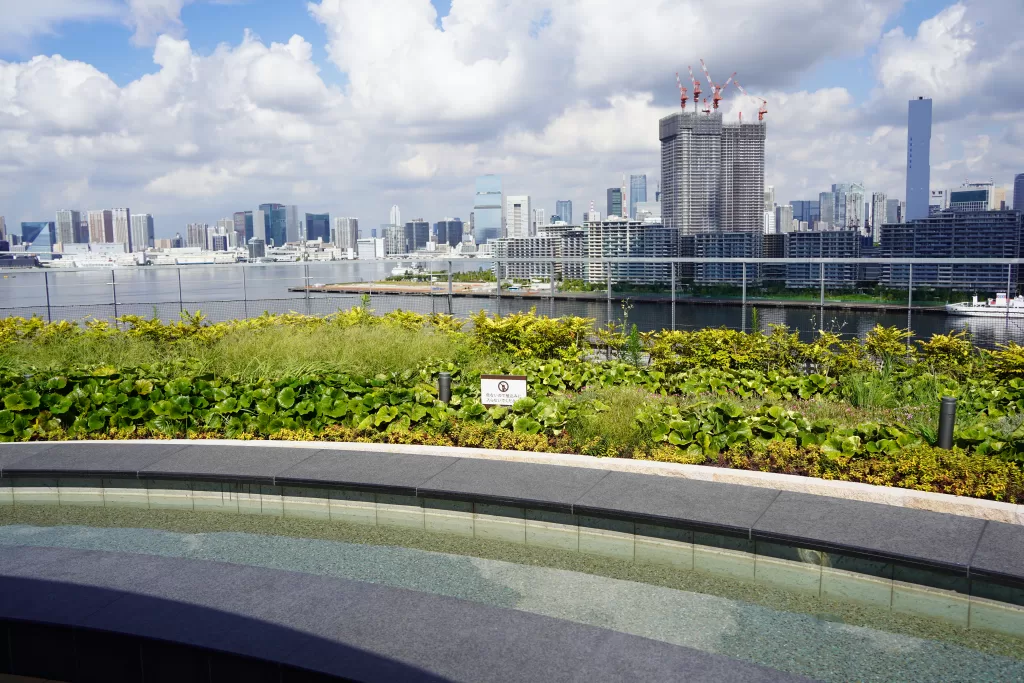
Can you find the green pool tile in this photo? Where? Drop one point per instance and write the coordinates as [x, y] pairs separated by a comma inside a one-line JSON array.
[[448, 517], [499, 523], [6, 492], [354, 507], [170, 495], [272, 501], [310, 503], [87, 492], [797, 576], [662, 545], [607, 537], [559, 530], [210, 496], [402, 511], [934, 603], [839, 584], [35, 492], [125, 493], [992, 615]]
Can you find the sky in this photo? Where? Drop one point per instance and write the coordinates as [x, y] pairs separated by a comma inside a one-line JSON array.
[[193, 109]]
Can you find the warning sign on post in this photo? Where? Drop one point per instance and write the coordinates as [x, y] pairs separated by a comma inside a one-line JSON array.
[[502, 390]]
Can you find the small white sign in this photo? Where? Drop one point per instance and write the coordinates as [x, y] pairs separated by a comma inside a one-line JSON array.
[[502, 390]]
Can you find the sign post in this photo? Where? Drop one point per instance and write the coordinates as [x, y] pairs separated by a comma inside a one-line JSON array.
[[502, 390]]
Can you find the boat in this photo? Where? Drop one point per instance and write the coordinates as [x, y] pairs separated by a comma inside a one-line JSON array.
[[1000, 307]]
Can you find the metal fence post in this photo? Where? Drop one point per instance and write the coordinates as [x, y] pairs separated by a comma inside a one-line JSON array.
[[744, 285], [1009, 280], [449, 287], [821, 277], [608, 273], [910, 299], [113, 286], [497, 282], [673, 296], [305, 279], [245, 292], [181, 299], [743, 302], [46, 282], [552, 279]]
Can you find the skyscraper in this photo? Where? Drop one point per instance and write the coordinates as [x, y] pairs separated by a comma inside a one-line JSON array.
[[395, 216], [142, 233], [487, 209], [318, 226], [919, 139], [518, 216], [291, 222], [784, 219], [243, 226], [848, 206], [892, 211], [67, 225], [563, 208], [196, 235], [122, 227], [826, 208], [275, 224], [260, 222], [1018, 193], [41, 236], [614, 201], [449, 231], [345, 233], [637, 192], [417, 234], [101, 226], [82, 233], [712, 177], [3, 228], [879, 210]]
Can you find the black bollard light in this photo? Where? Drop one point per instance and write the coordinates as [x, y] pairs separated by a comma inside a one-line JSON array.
[[444, 387], [947, 418]]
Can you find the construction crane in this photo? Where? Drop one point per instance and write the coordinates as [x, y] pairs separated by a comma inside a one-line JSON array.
[[682, 93], [764, 103], [696, 89], [707, 107], [716, 90]]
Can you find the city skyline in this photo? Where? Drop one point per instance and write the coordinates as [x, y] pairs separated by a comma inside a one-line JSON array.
[[345, 140]]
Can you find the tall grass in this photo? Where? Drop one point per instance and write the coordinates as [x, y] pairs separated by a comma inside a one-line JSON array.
[[252, 354], [614, 432]]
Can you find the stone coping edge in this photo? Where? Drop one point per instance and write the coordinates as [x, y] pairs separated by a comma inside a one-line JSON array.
[[977, 508]]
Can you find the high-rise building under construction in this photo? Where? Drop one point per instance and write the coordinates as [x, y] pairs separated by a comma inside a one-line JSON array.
[[712, 184]]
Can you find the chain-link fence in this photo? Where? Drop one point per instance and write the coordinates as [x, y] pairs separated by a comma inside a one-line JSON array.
[[462, 287]]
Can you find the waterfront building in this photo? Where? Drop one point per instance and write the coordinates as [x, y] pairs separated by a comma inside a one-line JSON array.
[[394, 239], [449, 231], [67, 226], [822, 244], [395, 215], [774, 246], [614, 201], [919, 137], [769, 198], [143, 234], [122, 227], [712, 176], [848, 206], [345, 233], [620, 238], [243, 226], [975, 197], [318, 227], [637, 193], [3, 228], [486, 218], [369, 248], [39, 237], [806, 210], [769, 222], [257, 248], [518, 216], [219, 243], [275, 225], [537, 219], [955, 234], [563, 209], [293, 228], [1018, 192], [196, 235], [82, 233], [544, 250], [417, 234]]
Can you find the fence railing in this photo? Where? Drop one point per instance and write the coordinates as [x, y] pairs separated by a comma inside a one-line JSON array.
[[243, 290]]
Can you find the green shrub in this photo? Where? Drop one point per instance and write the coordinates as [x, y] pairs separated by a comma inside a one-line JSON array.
[[1007, 362]]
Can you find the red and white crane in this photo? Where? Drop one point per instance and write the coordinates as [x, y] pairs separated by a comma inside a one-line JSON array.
[[696, 88], [716, 89], [764, 103], [682, 93]]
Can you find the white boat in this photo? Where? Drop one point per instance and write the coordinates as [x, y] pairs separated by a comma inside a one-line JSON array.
[[1000, 307]]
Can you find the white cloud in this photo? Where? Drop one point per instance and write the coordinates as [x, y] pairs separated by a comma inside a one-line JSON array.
[[559, 98]]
